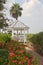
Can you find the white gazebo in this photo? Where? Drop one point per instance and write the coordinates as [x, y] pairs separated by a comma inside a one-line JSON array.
[[19, 31]]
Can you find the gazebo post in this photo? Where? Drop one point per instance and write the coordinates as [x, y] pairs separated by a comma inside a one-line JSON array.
[[21, 35], [17, 35], [24, 35], [27, 31], [21, 32], [12, 34]]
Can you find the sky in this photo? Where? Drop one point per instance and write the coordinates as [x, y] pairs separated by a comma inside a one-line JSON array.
[[32, 14]]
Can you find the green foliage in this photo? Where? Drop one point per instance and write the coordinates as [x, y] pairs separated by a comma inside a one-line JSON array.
[[2, 1], [2, 21], [15, 55], [19, 55], [3, 57], [1, 6], [2, 18], [28, 55], [35, 61], [37, 40], [5, 37], [16, 11], [29, 36]]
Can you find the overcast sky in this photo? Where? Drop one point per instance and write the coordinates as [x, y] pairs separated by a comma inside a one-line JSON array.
[[32, 14]]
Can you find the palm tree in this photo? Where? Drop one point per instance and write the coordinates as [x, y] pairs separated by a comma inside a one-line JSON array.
[[15, 11]]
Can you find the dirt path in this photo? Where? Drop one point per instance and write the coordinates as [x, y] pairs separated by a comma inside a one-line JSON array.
[[40, 59]]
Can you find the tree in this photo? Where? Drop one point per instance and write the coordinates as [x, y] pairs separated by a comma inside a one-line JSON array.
[[2, 18], [15, 11], [2, 21], [1, 4], [1, 7], [2, 1]]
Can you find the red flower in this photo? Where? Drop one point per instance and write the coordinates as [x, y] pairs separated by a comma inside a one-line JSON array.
[[24, 57], [14, 61], [17, 50], [29, 62], [9, 49], [22, 51], [20, 62], [11, 54]]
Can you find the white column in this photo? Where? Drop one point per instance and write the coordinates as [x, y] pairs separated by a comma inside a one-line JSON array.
[[1, 30], [17, 35], [27, 31], [24, 36], [21, 37], [21, 32], [12, 34]]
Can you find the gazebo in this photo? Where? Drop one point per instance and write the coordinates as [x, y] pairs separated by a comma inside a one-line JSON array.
[[19, 31]]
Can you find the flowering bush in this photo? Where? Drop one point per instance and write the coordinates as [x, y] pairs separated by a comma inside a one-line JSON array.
[[17, 55]]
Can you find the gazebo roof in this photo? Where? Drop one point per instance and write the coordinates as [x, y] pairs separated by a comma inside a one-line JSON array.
[[18, 26]]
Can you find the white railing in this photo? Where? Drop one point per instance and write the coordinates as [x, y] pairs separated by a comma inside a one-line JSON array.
[[19, 37]]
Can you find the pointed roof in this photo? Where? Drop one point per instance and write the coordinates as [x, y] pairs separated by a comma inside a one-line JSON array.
[[18, 26]]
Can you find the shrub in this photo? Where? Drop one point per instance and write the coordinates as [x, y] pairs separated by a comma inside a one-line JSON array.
[[3, 57], [28, 37], [16, 55], [37, 40], [5, 37]]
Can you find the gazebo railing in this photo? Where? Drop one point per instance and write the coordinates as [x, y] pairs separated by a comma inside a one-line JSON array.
[[19, 37]]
